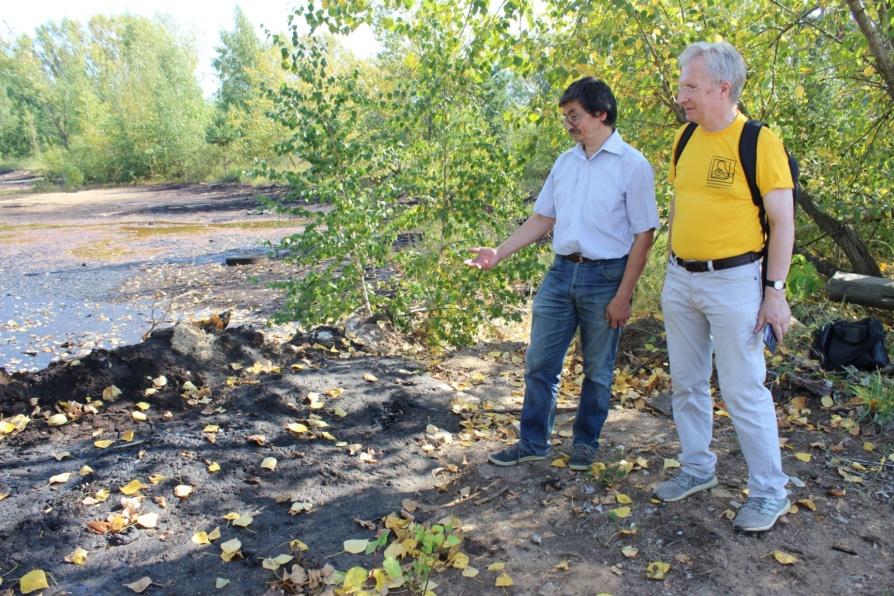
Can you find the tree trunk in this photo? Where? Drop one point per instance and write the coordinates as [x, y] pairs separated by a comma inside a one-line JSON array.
[[878, 43], [861, 289], [842, 234]]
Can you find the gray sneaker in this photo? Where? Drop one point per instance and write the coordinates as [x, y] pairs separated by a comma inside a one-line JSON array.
[[759, 514], [681, 486], [513, 456], [581, 458]]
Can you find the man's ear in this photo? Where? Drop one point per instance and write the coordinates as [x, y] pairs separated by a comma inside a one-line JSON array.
[[725, 87]]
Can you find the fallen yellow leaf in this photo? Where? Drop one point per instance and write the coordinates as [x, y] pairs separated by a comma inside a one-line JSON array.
[[559, 462], [657, 570], [355, 547], [623, 499], [496, 566], [85, 470], [370, 378], [139, 416], [296, 544], [470, 572], [221, 582], [57, 420], [77, 557], [670, 462], [269, 463], [60, 478], [111, 393], [620, 512], [213, 467], [148, 520], [460, 561], [808, 503], [182, 490], [561, 566], [503, 580], [131, 487], [140, 585], [296, 427], [201, 537], [102, 443], [244, 520], [630, 552], [34, 580], [784, 558], [802, 456], [127, 435]]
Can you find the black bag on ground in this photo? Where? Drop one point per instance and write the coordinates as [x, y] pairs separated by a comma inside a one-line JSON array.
[[860, 344]]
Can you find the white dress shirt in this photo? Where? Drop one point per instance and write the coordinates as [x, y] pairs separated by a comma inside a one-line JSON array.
[[599, 202]]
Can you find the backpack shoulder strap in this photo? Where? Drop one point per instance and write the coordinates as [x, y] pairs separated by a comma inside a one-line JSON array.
[[748, 157], [681, 144]]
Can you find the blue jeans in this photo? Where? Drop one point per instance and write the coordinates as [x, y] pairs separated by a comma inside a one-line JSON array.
[[572, 295]]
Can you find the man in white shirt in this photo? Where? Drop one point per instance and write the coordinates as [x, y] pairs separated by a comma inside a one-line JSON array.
[[599, 200]]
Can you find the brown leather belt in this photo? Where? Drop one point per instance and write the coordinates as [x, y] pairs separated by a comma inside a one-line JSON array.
[[717, 264], [576, 257]]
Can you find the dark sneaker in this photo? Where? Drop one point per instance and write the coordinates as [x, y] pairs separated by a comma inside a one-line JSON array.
[[581, 458], [759, 514], [681, 486], [513, 456]]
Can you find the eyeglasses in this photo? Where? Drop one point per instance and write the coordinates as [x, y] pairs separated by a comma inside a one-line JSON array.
[[575, 118]]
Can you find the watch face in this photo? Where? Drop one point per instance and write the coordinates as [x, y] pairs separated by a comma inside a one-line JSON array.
[[778, 284]]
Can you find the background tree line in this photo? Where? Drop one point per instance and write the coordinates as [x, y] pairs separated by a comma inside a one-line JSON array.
[[439, 142], [117, 100]]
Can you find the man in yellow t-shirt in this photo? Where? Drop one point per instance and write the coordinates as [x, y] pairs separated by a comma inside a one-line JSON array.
[[713, 299]]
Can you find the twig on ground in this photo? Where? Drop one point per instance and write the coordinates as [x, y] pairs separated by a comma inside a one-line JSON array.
[[495, 495]]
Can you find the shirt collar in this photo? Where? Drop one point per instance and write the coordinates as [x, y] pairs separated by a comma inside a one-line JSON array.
[[613, 144]]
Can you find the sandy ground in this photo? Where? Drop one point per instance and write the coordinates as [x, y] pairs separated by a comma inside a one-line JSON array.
[[370, 434]]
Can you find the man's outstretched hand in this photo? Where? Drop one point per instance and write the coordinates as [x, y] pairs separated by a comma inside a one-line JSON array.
[[486, 258]]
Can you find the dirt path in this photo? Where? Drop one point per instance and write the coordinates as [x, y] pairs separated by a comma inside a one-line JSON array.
[[382, 436], [385, 446]]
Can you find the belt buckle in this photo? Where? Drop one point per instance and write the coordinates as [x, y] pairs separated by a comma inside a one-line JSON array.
[[696, 266], [576, 257]]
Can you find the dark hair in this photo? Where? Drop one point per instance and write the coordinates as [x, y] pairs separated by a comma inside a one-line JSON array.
[[594, 96]]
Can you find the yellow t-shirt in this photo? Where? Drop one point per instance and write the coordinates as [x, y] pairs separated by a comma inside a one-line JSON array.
[[714, 216]]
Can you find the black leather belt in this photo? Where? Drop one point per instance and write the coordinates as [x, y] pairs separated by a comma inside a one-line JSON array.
[[576, 257], [718, 264]]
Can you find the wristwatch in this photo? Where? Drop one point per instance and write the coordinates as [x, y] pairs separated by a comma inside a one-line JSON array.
[[776, 284]]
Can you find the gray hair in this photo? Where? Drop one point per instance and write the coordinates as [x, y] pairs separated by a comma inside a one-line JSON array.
[[722, 61]]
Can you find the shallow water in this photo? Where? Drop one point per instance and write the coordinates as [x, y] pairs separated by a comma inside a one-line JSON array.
[[50, 315]]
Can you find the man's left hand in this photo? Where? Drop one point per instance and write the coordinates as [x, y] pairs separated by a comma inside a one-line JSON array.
[[775, 311], [617, 313]]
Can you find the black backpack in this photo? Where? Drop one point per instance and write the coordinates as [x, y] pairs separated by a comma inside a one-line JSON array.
[[748, 157]]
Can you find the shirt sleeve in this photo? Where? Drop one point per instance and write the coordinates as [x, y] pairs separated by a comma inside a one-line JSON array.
[[772, 163], [642, 211], [546, 202]]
